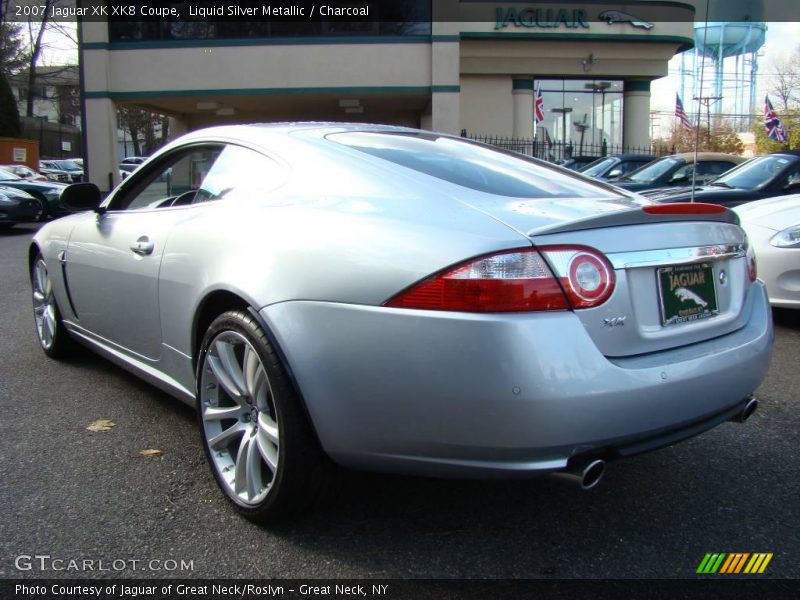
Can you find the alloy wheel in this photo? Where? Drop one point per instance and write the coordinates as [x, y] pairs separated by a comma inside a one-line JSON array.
[[239, 418], [44, 306]]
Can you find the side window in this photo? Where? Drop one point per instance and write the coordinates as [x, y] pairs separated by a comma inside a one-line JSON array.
[[714, 167], [791, 178], [202, 174], [629, 165], [173, 183]]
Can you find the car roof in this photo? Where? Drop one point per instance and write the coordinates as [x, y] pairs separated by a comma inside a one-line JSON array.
[[706, 156]]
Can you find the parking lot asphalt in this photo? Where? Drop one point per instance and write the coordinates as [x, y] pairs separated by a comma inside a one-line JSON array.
[[72, 494]]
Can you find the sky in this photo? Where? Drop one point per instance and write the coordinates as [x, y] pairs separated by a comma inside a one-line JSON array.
[[781, 40]]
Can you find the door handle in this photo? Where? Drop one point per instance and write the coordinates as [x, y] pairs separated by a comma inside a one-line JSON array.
[[143, 246]]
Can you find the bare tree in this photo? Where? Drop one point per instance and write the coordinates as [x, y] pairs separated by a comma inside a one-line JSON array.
[[784, 82]]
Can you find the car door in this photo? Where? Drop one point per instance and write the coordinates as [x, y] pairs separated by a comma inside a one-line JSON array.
[[112, 262]]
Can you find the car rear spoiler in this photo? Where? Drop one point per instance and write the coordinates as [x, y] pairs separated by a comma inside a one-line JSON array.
[[652, 213]]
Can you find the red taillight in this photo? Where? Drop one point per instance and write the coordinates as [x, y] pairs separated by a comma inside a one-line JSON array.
[[515, 281], [684, 208], [585, 274], [752, 271]]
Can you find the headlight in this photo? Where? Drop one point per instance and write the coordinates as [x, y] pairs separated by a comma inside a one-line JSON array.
[[788, 238]]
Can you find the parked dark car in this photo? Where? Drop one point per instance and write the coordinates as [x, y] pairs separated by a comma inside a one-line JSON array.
[[47, 192], [17, 206], [761, 177], [614, 166], [676, 170]]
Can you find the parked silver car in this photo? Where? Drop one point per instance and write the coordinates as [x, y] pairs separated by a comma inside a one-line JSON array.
[[401, 300], [773, 228]]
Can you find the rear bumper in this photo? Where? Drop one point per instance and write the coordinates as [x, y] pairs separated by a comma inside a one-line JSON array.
[[439, 393]]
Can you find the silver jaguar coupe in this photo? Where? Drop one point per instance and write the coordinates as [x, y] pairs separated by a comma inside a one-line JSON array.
[[399, 300]]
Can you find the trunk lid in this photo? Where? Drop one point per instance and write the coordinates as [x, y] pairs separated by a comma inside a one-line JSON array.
[[680, 278]]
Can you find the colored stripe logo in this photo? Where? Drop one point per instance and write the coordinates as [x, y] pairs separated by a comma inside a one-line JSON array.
[[734, 563]]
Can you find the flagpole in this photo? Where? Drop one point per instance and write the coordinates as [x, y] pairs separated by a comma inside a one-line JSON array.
[[697, 123]]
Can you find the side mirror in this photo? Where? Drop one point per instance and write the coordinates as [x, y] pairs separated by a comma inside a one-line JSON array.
[[614, 173], [81, 196]]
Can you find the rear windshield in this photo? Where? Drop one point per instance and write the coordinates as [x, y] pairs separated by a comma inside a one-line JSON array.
[[653, 171], [472, 165], [598, 167]]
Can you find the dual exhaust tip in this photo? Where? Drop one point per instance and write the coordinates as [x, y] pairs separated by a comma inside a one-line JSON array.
[[747, 411], [587, 473]]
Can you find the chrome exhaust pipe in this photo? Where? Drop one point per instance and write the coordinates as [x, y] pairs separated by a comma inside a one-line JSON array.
[[747, 411], [585, 474]]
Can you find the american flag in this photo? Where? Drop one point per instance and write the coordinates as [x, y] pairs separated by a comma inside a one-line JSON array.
[[538, 104], [681, 114], [775, 130]]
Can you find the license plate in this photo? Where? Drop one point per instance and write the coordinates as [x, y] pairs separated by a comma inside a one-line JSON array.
[[687, 293]]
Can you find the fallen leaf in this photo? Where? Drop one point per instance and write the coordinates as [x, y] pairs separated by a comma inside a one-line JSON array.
[[151, 452], [100, 425]]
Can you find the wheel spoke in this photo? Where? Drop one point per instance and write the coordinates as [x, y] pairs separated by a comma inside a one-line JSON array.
[[268, 450], [247, 477], [48, 325], [224, 380], [260, 388], [222, 440], [268, 426], [252, 366], [219, 413], [227, 358], [38, 297]]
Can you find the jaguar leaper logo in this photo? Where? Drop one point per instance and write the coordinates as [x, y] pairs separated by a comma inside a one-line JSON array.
[[683, 295], [617, 16]]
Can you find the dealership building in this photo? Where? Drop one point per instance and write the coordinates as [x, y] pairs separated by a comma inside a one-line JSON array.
[[450, 66]]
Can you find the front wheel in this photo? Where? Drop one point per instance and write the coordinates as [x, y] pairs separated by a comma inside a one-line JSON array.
[[262, 451], [50, 330]]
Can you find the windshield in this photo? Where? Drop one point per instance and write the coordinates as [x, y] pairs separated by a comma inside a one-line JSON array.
[[654, 170], [471, 165], [598, 167], [66, 165], [755, 172], [8, 176]]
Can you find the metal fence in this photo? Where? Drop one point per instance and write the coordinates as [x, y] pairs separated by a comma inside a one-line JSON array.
[[56, 140], [560, 151]]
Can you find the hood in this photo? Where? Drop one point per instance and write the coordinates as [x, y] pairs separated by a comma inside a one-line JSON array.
[[774, 213], [39, 186], [14, 193]]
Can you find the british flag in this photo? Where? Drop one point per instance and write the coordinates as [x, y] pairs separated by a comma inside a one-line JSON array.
[[681, 114], [538, 104], [775, 130]]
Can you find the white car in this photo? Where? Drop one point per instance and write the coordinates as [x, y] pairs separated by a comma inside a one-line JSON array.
[[773, 227]]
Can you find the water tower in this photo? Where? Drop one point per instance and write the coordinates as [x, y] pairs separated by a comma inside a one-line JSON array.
[[726, 51]]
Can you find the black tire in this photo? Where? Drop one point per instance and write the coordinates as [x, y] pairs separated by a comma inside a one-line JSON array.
[[47, 314], [264, 495]]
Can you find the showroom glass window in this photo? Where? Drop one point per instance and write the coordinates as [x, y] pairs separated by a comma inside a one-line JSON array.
[[582, 113]]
